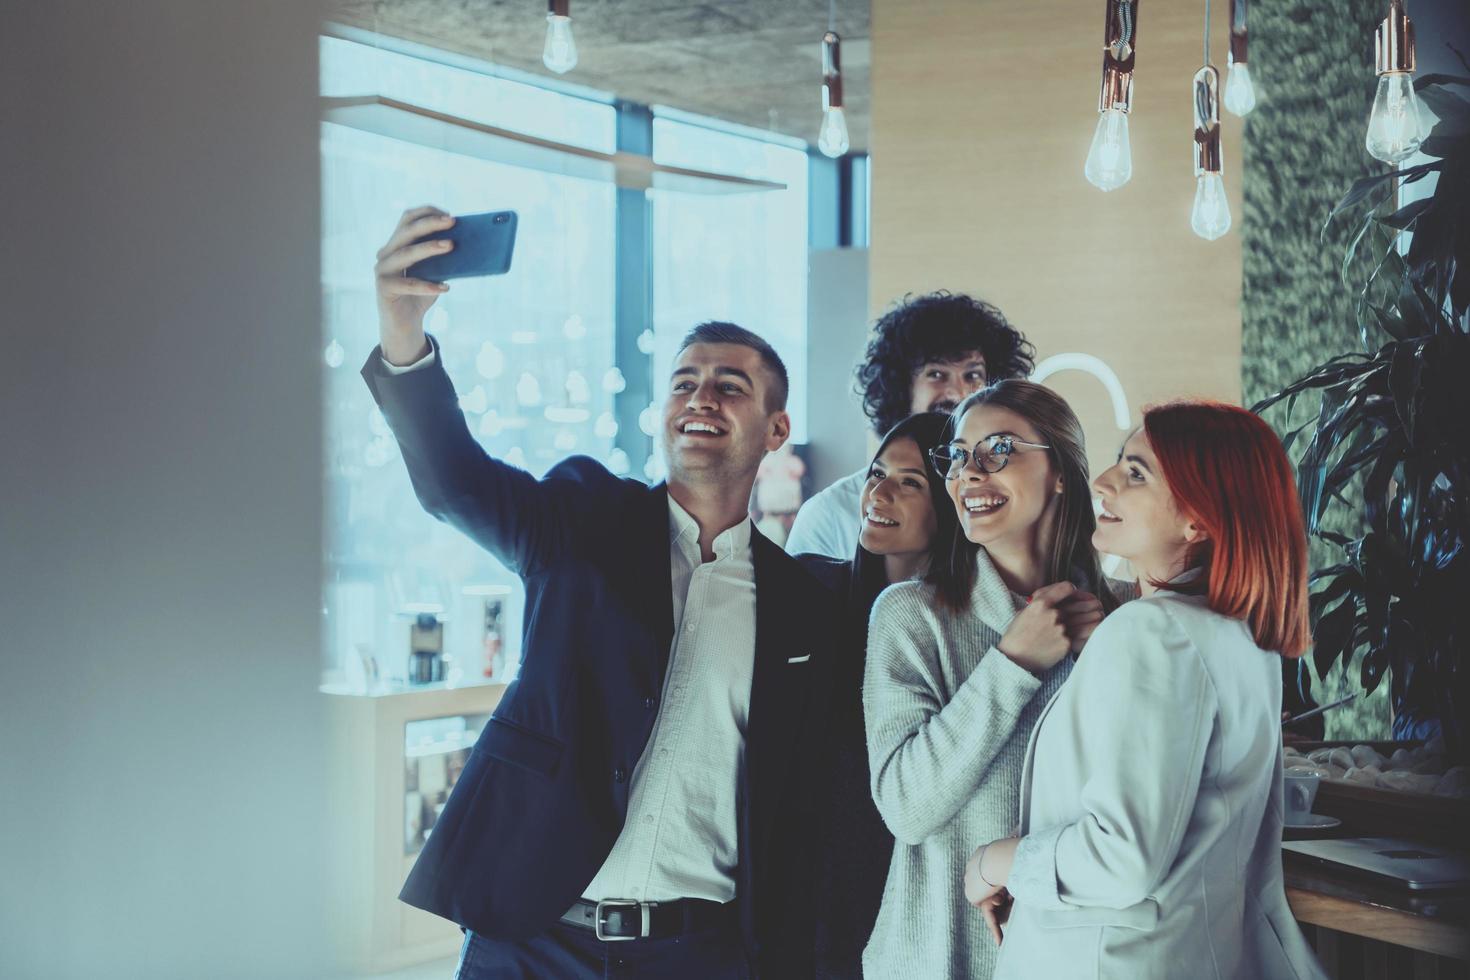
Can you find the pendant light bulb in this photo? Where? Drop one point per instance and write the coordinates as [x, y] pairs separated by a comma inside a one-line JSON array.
[[1240, 92], [560, 51], [1211, 215], [832, 138], [1394, 127], [1110, 159]]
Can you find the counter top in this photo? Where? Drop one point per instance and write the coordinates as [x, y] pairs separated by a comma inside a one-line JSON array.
[[1434, 922]]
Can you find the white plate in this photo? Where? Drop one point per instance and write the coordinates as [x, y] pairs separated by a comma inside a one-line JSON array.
[[1314, 821]]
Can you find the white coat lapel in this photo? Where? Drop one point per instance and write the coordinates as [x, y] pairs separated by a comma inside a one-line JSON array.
[[1023, 818]]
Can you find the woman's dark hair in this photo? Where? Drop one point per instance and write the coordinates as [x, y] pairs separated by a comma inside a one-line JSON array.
[[928, 430], [939, 326], [1071, 551]]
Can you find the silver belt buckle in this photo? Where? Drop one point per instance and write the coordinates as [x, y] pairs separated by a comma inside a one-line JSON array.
[[624, 905]]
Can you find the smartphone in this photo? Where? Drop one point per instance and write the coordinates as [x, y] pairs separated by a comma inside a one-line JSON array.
[[483, 244]]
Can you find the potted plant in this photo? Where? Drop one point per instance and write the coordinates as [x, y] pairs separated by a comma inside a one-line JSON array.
[[1387, 456]]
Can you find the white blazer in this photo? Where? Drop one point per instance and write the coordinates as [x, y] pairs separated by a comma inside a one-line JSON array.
[[1151, 809]]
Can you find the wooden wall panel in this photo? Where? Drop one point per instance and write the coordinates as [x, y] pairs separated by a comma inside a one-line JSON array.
[[982, 117]]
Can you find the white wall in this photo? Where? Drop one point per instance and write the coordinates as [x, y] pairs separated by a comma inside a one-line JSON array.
[[162, 812], [837, 335]]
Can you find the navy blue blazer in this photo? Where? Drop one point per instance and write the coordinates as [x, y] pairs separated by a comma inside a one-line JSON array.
[[545, 791]]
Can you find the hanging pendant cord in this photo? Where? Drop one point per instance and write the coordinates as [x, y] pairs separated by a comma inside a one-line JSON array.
[[832, 16], [1207, 32]]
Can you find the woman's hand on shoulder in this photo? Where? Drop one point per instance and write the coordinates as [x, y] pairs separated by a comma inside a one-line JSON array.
[[1038, 637], [1081, 613]]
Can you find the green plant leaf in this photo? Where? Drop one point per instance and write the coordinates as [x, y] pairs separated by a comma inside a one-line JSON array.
[[1345, 581], [1335, 371], [1405, 216], [1403, 383], [1291, 437], [1443, 143], [1390, 323], [1375, 660], [1445, 104], [1365, 186], [1369, 224], [1422, 82], [1332, 635]]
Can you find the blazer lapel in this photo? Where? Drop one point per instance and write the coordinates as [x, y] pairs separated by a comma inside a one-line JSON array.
[[777, 696], [653, 576], [1028, 765]]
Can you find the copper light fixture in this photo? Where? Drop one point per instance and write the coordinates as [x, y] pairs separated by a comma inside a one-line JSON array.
[[1240, 94], [1394, 127], [1109, 159], [1211, 215], [832, 140]]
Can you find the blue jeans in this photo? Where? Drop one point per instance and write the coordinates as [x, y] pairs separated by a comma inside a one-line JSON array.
[[566, 952]]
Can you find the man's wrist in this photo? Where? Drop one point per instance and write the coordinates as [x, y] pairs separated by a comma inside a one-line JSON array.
[[403, 350]]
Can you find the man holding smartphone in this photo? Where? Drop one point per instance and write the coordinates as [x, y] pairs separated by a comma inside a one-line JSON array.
[[629, 805]]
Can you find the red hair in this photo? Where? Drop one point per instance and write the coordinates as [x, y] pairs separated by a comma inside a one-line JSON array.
[[1229, 475]]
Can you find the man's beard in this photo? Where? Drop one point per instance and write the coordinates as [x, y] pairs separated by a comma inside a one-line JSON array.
[[944, 405]]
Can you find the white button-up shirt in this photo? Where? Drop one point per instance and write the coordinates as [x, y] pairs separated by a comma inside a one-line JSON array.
[[681, 839]]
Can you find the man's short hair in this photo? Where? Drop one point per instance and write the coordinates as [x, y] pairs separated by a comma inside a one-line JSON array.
[[721, 332], [939, 326]]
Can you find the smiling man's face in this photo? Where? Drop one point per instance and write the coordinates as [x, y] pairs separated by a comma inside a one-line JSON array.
[[716, 422], [939, 386]]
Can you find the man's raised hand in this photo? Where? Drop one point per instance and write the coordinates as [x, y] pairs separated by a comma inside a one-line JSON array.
[[403, 301]]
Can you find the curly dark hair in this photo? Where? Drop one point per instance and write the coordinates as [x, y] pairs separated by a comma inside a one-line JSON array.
[[939, 326]]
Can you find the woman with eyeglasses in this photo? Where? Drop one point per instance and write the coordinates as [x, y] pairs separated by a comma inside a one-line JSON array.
[[907, 523], [961, 662], [1151, 825]]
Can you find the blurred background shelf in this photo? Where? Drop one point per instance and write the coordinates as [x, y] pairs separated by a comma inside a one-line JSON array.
[[394, 755], [438, 130]]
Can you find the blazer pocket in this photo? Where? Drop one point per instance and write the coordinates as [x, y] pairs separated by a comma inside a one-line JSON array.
[[521, 747], [1143, 916]]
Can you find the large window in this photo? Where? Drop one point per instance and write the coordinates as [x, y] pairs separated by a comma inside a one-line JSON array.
[[736, 257], [531, 353]]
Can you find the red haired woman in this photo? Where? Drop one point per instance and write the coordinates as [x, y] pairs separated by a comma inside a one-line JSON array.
[[1151, 795]]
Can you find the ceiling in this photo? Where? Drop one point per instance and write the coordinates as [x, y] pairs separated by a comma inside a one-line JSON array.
[[754, 62]]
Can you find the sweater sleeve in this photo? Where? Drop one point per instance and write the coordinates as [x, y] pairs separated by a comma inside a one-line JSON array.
[[927, 756], [1147, 721]]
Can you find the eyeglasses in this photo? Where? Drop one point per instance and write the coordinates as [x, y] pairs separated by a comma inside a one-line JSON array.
[[992, 458]]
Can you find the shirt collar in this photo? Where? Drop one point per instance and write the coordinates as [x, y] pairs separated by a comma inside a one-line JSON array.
[[731, 541]]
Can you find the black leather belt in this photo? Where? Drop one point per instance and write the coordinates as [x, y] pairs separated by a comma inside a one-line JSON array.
[[616, 920]]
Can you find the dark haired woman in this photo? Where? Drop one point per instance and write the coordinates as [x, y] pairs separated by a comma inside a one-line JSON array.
[[961, 663], [905, 517], [1151, 827]]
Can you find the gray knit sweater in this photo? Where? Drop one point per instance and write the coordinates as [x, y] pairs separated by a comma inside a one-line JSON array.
[[948, 717]]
